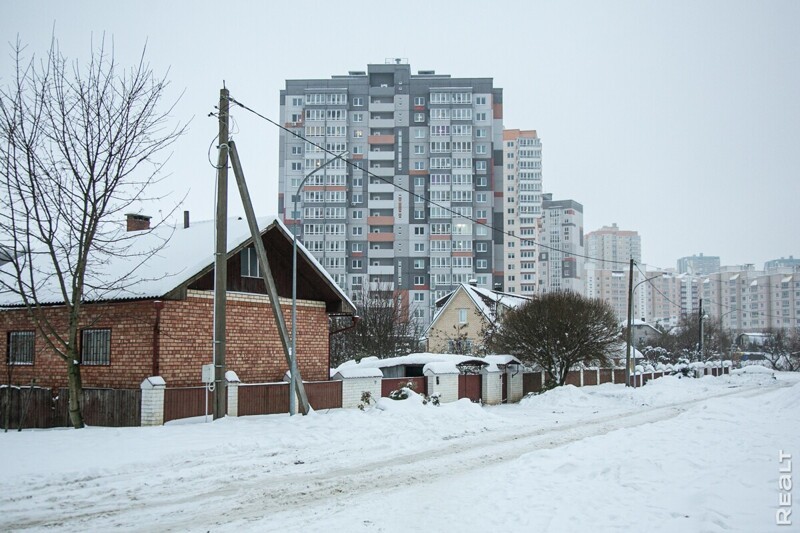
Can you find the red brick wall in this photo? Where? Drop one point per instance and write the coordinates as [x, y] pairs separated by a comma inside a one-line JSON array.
[[253, 346]]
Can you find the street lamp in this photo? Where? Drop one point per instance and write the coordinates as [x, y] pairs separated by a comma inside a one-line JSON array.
[[630, 326], [296, 217]]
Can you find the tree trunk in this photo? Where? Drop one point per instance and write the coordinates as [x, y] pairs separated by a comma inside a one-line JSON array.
[[75, 392]]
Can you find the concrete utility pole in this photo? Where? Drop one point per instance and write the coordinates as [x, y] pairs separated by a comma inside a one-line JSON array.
[[221, 258], [630, 329], [266, 274], [700, 342]]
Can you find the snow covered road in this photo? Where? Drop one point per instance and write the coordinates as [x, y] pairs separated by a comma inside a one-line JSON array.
[[572, 459]]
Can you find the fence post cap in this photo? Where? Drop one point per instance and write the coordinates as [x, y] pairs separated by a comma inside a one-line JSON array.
[[231, 377], [153, 382]]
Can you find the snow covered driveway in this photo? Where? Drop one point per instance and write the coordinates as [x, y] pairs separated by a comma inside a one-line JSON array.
[[676, 455]]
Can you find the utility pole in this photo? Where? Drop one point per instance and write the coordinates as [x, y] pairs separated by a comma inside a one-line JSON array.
[[630, 328], [221, 258], [700, 343]]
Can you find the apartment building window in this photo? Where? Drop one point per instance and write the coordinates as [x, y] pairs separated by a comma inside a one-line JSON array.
[[481, 149], [480, 247], [480, 100], [480, 133], [419, 149], [356, 264], [358, 117], [358, 214], [419, 165], [20, 347], [357, 247], [419, 246], [96, 347], [296, 165], [358, 101], [357, 230], [358, 198], [419, 181], [419, 133], [419, 214], [480, 165], [297, 150], [419, 230], [482, 264], [358, 134], [419, 117], [297, 101], [480, 117], [419, 100], [419, 296], [419, 280], [419, 314], [419, 264]]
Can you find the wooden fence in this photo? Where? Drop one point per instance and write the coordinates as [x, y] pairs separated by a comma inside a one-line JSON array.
[[35, 407], [324, 394], [263, 399]]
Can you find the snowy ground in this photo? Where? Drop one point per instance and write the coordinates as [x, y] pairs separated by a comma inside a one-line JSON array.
[[675, 455]]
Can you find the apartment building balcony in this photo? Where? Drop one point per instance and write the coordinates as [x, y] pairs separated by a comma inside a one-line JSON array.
[[381, 123], [380, 220], [381, 270], [381, 253], [381, 204], [381, 285], [381, 187], [380, 139], [381, 107], [380, 237], [381, 155]]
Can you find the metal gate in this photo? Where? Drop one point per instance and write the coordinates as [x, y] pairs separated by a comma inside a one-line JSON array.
[[469, 386]]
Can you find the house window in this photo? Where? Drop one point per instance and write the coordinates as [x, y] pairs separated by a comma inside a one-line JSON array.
[[462, 316], [20, 347], [249, 260], [96, 347]]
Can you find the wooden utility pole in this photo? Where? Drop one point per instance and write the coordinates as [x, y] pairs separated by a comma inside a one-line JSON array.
[[266, 273], [221, 258]]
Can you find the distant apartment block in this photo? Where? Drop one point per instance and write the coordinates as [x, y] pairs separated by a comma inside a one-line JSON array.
[[670, 296], [748, 300], [789, 262], [427, 154], [698, 265], [609, 252], [522, 209], [561, 261]]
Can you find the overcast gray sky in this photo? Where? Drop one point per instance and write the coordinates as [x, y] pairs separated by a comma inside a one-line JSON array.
[[679, 119]]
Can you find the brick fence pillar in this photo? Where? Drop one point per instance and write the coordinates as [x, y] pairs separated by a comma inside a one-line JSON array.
[[152, 408], [233, 392]]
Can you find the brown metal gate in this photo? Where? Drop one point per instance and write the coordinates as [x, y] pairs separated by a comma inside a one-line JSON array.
[[469, 386], [324, 394], [186, 402], [504, 378]]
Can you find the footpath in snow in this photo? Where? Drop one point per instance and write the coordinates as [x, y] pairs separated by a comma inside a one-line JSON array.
[[675, 455]]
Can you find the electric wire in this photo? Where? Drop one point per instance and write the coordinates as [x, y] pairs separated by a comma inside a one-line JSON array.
[[422, 198]]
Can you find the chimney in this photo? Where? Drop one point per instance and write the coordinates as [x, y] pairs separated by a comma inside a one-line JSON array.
[[185, 219], [473, 282], [137, 222]]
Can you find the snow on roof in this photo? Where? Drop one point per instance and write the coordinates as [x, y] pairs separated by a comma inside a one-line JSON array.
[[420, 359], [787, 279], [734, 277], [350, 372], [186, 253], [502, 359], [485, 300], [440, 367]]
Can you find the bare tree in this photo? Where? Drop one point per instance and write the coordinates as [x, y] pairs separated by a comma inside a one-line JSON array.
[[782, 350], [80, 146], [384, 329], [557, 331]]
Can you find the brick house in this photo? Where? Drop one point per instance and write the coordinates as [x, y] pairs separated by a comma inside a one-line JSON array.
[[162, 324], [462, 315]]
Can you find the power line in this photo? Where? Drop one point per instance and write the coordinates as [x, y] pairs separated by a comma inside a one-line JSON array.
[[415, 195]]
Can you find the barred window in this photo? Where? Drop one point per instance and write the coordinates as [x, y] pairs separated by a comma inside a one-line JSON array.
[[96, 347], [20, 347]]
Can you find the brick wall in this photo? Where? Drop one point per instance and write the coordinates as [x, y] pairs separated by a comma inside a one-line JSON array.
[[185, 342]]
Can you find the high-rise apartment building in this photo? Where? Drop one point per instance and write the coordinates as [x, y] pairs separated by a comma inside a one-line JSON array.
[[426, 160], [522, 208], [610, 250], [698, 265], [561, 261], [611, 245]]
